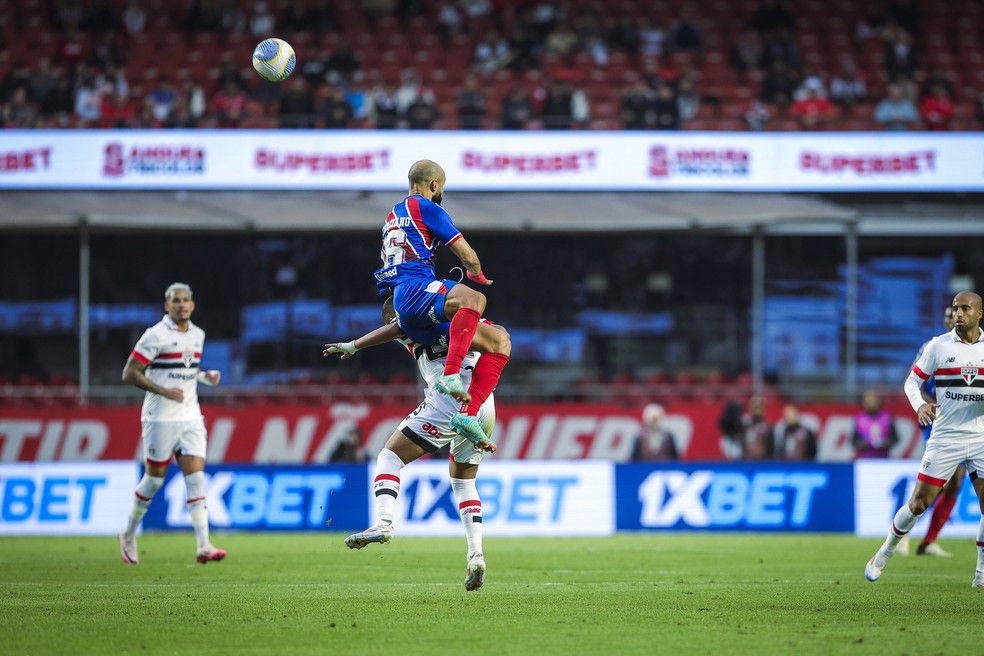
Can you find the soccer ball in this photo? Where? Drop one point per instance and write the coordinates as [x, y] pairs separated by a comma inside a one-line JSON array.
[[274, 60]]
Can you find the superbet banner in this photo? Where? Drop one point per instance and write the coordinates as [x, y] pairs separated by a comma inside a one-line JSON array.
[[296, 434], [492, 161]]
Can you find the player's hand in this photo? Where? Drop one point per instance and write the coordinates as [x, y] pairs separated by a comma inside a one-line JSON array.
[[927, 413], [347, 349], [479, 278], [174, 393], [213, 376]]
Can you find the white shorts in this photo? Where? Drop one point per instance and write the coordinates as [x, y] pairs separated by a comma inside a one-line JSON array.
[[429, 427], [163, 438], [941, 459]]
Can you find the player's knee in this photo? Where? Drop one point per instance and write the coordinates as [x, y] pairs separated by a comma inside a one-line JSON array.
[[501, 343], [476, 301]]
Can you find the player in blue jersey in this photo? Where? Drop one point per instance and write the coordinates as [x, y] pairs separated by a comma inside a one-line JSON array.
[[948, 496], [433, 311]]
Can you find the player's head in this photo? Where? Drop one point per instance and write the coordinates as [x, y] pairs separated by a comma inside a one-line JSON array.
[[652, 415], [948, 317], [179, 302], [389, 312], [966, 311], [791, 415], [427, 179], [871, 402]]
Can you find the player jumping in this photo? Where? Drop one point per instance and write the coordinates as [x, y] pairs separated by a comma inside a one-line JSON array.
[[164, 363], [956, 359], [414, 228], [427, 429]]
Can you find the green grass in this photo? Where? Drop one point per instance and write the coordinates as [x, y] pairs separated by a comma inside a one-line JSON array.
[[637, 594]]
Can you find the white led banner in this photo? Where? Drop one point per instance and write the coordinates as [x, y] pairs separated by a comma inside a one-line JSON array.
[[492, 161]]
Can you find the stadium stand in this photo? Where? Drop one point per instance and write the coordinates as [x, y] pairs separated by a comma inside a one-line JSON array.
[[494, 63]]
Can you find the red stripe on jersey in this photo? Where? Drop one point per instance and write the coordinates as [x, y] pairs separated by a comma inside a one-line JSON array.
[[142, 359], [413, 206], [454, 239], [470, 504], [919, 372], [925, 478], [386, 477], [174, 356]]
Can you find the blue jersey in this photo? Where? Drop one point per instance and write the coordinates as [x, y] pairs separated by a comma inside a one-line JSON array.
[[412, 232]]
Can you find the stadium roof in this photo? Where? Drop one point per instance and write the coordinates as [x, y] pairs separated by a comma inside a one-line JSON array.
[[237, 211]]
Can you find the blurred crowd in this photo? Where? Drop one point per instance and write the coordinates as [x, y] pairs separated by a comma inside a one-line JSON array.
[[523, 65]]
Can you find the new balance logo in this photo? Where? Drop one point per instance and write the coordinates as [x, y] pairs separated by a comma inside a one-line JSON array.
[[951, 360]]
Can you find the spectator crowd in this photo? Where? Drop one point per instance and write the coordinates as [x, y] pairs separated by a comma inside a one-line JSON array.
[[472, 64]]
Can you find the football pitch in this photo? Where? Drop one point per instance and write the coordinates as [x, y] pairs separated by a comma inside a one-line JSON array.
[[637, 594]]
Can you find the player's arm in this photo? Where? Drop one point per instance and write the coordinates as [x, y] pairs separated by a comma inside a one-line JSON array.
[[133, 374], [469, 259], [923, 368], [382, 335], [440, 223]]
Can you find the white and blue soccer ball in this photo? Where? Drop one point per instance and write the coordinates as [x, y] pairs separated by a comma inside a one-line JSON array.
[[274, 60]]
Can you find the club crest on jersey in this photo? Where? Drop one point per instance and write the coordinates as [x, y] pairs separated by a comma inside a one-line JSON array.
[[969, 374], [187, 357]]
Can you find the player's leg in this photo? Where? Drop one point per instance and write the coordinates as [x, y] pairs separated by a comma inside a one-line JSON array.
[[493, 343], [463, 468], [191, 458], [400, 450], [157, 440], [939, 463], [463, 307], [942, 510], [977, 480]]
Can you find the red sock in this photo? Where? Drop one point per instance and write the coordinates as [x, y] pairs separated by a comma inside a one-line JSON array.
[[460, 336], [941, 515], [484, 379]]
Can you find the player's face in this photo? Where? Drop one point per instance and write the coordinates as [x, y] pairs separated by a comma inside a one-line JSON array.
[[180, 307], [966, 312]]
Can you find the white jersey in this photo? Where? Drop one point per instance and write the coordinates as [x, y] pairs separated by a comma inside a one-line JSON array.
[[172, 358], [430, 363], [958, 368]]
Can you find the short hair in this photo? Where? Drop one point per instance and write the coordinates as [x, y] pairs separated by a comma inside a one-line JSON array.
[[423, 171], [175, 288]]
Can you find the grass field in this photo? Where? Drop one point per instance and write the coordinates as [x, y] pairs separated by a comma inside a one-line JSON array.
[[636, 594]]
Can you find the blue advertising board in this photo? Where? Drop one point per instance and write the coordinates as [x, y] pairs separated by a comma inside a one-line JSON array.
[[281, 498], [735, 497]]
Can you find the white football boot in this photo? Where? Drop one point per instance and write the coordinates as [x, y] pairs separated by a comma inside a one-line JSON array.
[[475, 575], [381, 533], [873, 570], [128, 549], [933, 549], [978, 580], [209, 554]]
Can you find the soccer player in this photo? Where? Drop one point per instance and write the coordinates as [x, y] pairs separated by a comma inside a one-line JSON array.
[[414, 229], [427, 429], [956, 359], [951, 491], [164, 364]]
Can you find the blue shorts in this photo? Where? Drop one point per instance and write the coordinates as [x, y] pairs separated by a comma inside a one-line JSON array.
[[419, 305]]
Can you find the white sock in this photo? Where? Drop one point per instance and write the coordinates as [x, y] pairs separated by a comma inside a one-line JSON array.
[[195, 484], [386, 484], [904, 520], [145, 491], [980, 547], [470, 509]]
